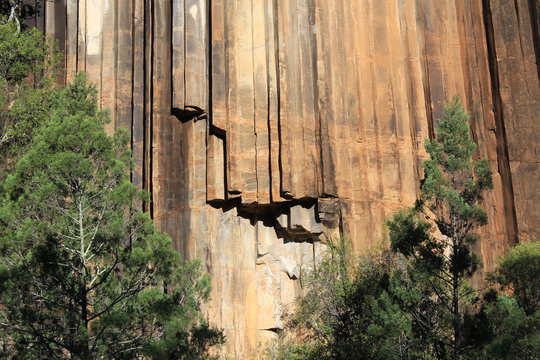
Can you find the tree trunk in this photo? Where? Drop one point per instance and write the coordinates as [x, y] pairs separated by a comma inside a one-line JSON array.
[[455, 296]]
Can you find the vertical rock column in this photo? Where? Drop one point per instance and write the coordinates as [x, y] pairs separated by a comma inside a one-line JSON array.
[[511, 33]]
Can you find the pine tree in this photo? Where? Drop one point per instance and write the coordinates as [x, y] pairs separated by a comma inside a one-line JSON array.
[[437, 235], [83, 273]]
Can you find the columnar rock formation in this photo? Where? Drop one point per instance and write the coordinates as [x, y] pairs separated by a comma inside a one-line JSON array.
[[264, 127]]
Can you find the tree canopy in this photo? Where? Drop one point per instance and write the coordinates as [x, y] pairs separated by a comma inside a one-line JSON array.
[[84, 274], [27, 64]]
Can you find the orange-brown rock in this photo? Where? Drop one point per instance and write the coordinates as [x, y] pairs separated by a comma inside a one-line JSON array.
[[263, 127]]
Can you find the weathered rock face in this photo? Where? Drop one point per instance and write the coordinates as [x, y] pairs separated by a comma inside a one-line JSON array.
[[262, 127]]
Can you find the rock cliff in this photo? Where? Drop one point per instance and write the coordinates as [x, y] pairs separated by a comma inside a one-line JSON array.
[[264, 127]]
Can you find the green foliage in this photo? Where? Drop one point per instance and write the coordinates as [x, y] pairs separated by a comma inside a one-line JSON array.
[[20, 10], [514, 317], [26, 68], [83, 271], [22, 53], [290, 350], [453, 183], [519, 273], [436, 235], [514, 335], [351, 309], [327, 284], [22, 112]]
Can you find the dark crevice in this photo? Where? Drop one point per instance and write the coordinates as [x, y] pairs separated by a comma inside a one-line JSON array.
[[269, 136], [151, 118], [533, 11], [269, 110], [209, 116], [226, 66], [274, 330], [171, 63], [225, 205], [145, 106], [184, 53], [148, 100], [189, 112], [286, 195], [320, 148], [292, 276], [276, 41], [209, 60], [253, 94], [270, 215], [502, 149], [427, 100], [218, 132], [222, 135], [427, 90], [340, 220]]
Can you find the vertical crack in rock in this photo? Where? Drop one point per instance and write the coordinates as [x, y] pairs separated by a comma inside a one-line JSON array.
[[210, 111], [502, 149], [278, 91], [184, 55], [411, 95], [133, 92], [312, 19], [427, 92], [534, 6], [209, 64], [149, 94], [269, 109], [253, 92]]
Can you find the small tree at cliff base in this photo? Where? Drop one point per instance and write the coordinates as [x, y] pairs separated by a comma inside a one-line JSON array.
[[352, 309], [437, 234], [83, 272]]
